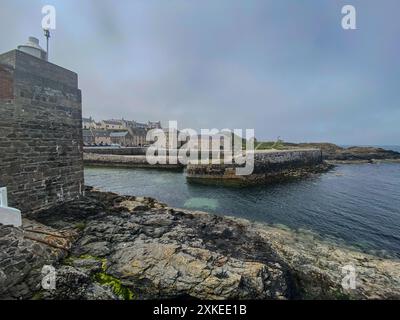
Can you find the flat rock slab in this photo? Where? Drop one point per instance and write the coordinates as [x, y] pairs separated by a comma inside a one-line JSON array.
[[122, 247]]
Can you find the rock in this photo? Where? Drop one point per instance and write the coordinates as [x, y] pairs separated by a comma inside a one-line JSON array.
[[73, 283], [97, 249], [22, 259], [90, 264], [333, 152], [139, 248], [170, 270]]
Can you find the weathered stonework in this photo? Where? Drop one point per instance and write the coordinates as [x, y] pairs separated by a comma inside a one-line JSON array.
[[129, 151], [122, 161], [269, 166], [40, 132]]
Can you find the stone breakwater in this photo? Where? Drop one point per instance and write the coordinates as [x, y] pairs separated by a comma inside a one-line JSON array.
[[125, 161], [107, 246], [269, 166]]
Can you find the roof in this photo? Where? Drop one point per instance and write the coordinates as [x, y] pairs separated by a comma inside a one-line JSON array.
[[138, 132], [140, 125], [114, 122], [129, 122], [100, 133], [87, 120], [118, 134], [86, 133]]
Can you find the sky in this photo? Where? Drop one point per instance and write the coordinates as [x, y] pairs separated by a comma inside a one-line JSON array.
[[285, 68]]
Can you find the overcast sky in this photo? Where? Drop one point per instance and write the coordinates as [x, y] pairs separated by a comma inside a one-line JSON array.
[[283, 67]]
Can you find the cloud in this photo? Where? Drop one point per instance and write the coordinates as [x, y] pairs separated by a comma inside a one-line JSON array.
[[285, 68]]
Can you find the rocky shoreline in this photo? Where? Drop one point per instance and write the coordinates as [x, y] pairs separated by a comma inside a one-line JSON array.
[[336, 154], [107, 246]]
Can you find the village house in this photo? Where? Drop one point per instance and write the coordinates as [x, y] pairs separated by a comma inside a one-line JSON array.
[[101, 137], [112, 124], [128, 123], [118, 124], [153, 125], [88, 123], [133, 137], [88, 137], [138, 136], [139, 125], [122, 138], [168, 143]]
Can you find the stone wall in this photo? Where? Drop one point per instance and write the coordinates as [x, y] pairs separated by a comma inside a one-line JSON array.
[[123, 161], [130, 151], [269, 165], [269, 161], [40, 132]]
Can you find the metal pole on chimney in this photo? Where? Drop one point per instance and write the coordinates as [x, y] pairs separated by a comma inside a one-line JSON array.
[[47, 35]]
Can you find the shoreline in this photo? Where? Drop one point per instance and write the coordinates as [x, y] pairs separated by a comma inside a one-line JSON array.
[[372, 161], [126, 247]]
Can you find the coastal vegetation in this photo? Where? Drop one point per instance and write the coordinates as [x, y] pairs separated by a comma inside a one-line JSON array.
[[269, 145]]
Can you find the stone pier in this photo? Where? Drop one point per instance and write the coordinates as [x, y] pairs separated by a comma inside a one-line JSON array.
[[269, 166]]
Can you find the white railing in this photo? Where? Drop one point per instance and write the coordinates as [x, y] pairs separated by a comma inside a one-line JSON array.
[[8, 216]]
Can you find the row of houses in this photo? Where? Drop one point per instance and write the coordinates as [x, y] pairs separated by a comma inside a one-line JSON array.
[[136, 137], [126, 133], [131, 137], [133, 134], [118, 124]]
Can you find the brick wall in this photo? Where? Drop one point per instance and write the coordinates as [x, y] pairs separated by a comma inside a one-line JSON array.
[[6, 84], [40, 132]]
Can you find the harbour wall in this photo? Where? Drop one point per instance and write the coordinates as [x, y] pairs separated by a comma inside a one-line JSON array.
[[130, 151], [125, 161], [269, 165]]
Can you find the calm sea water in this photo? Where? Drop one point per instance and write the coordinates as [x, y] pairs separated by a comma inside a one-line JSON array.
[[358, 204]]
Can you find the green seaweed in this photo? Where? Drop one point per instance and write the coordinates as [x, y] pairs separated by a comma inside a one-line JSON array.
[[80, 226], [37, 295], [105, 279], [115, 284]]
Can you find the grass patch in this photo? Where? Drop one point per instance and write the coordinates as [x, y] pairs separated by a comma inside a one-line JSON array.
[[267, 145]]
